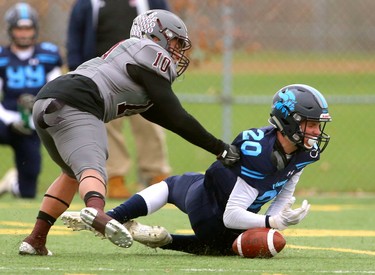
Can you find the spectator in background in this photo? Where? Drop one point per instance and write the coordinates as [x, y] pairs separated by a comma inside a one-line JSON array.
[[25, 66], [94, 27]]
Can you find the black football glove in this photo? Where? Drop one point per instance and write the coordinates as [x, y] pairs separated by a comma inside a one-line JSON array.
[[230, 155]]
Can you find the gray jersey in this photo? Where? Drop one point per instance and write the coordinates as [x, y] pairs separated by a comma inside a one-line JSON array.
[[122, 96]]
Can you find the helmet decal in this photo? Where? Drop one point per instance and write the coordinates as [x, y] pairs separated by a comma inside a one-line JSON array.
[[144, 23], [287, 102], [24, 11]]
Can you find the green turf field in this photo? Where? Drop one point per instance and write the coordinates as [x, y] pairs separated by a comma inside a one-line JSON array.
[[337, 237]]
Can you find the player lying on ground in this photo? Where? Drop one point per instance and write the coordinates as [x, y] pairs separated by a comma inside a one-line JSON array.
[[225, 201]]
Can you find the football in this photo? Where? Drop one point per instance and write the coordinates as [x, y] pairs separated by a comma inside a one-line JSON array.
[[259, 243]]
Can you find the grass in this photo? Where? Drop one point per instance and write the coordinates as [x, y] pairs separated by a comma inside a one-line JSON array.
[[336, 237]]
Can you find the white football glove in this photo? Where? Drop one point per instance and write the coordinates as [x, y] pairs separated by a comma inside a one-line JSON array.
[[288, 216]]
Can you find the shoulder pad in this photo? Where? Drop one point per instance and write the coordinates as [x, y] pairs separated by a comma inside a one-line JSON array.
[[48, 46], [153, 57], [4, 56], [48, 53]]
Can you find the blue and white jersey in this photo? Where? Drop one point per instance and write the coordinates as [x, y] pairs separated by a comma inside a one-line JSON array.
[[26, 76], [255, 174]]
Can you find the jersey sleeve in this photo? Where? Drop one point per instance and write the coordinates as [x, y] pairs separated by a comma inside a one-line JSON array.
[[168, 112], [236, 215], [284, 196]]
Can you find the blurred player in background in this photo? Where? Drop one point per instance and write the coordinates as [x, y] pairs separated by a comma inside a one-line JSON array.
[[226, 200], [94, 27], [133, 77], [25, 66]]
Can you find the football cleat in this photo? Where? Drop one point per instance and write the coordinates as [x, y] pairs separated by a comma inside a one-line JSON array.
[[151, 236], [8, 181], [111, 229], [27, 249], [72, 219]]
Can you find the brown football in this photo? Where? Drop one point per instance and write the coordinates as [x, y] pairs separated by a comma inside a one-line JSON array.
[[258, 243]]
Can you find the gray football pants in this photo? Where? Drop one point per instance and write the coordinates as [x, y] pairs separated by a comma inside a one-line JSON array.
[[75, 140]]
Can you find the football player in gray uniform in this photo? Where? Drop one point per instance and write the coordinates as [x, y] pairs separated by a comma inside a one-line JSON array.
[[133, 77]]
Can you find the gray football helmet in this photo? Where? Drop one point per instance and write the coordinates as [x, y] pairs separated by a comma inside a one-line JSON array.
[[164, 26], [21, 15], [294, 104]]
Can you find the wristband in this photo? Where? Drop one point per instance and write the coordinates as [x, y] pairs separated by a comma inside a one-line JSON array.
[[268, 221]]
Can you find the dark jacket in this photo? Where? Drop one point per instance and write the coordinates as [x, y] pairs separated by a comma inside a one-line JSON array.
[[81, 38]]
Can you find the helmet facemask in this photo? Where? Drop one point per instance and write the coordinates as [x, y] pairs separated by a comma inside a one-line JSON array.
[[168, 31], [309, 141], [177, 51]]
